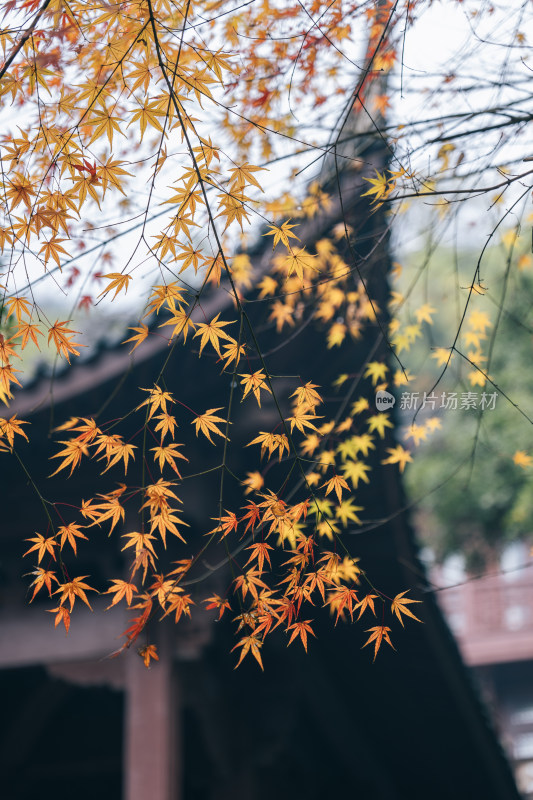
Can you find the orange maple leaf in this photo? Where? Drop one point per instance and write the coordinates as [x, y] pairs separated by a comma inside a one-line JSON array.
[[72, 453], [62, 615], [145, 554], [249, 581], [118, 452], [28, 331], [110, 509], [336, 483], [72, 589], [253, 515], [44, 577], [301, 629], [217, 602], [121, 589], [343, 598], [7, 375], [366, 602], [147, 653], [70, 533], [137, 623], [225, 524], [9, 427], [378, 634], [260, 552], [63, 343], [250, 644], [43, 545]]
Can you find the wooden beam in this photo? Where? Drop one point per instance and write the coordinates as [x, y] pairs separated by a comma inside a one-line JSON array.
[[500, 648], [29, 637]]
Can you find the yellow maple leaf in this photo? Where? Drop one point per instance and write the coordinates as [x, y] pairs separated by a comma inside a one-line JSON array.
[[347, 512], [442, 356], [157, 399], [181, 320], [166, 425], [206, 423], [212, 332], [379, 422], [418, 433], [302, 420], [267, 286], [376, 370], [254, 482], [356, 471], [307, 395], [281, 233], [254, 382], [18, 306], [140, 336], [118, 282], [360, 405], [53, 249], [398, 455], [423, 314], [479, 321], [298, 261], [283, 314], [271, 442], [233, 351], [521, 459], [399, 606], [336, 334], [380, 188], [167, 454]]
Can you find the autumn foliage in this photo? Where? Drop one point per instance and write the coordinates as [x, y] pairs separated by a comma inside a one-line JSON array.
[[162, 122]]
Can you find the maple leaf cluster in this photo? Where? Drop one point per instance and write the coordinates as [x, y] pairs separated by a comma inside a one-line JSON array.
[[118, 96], [259, 598]]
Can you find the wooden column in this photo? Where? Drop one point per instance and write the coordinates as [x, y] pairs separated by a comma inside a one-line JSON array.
[[152, 750]]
